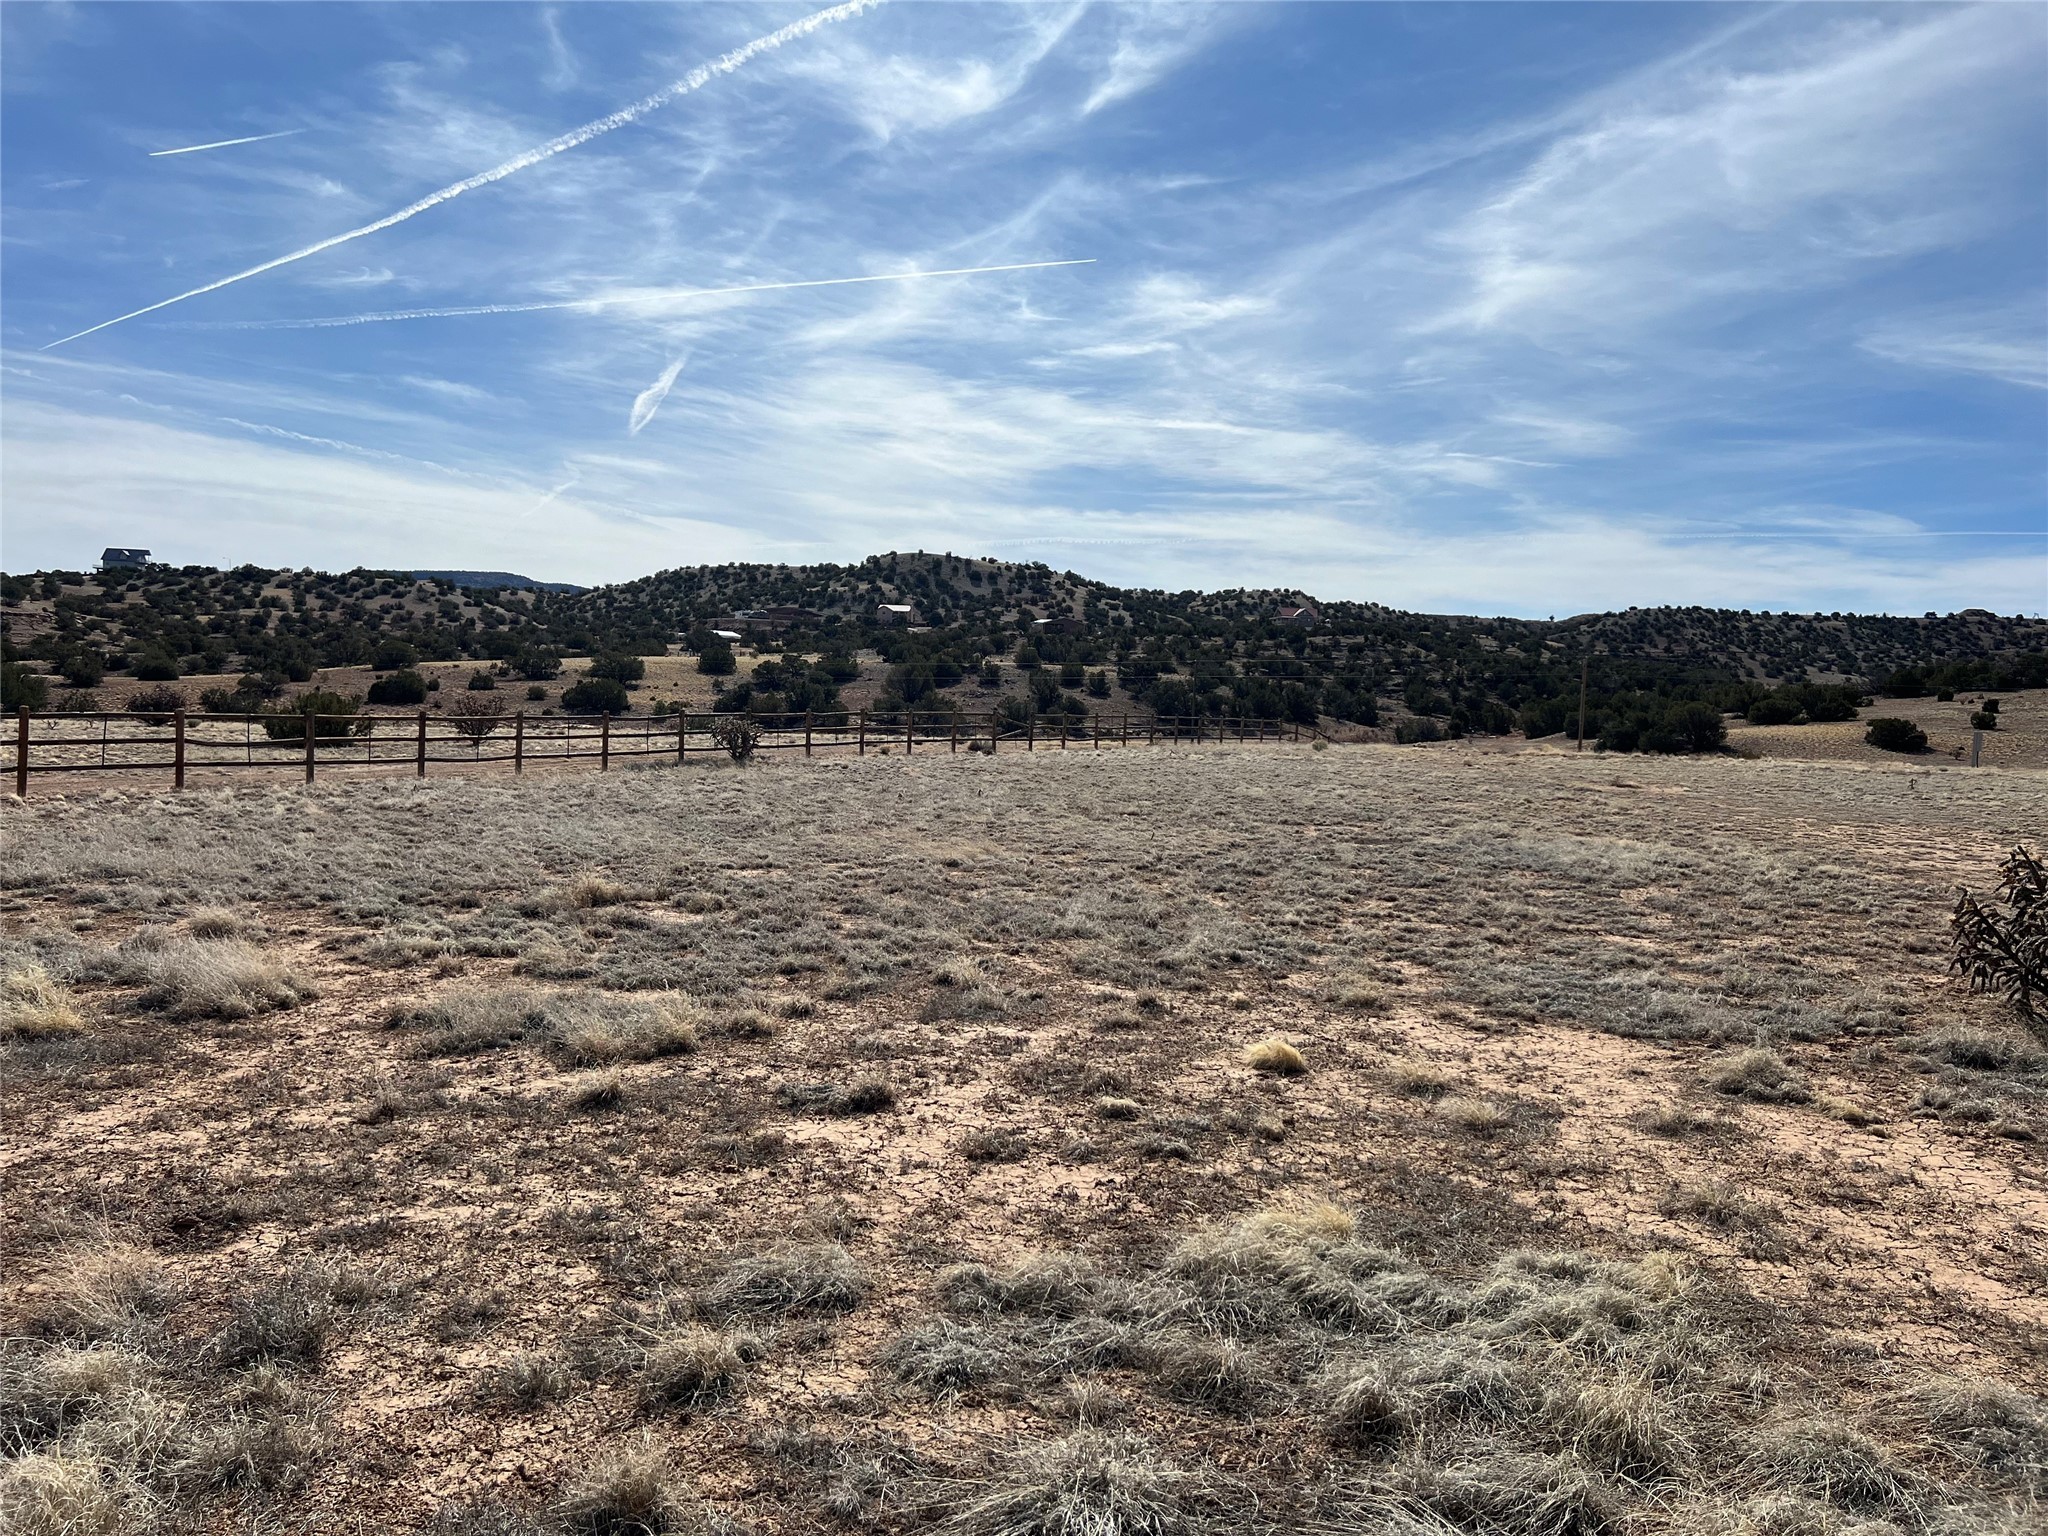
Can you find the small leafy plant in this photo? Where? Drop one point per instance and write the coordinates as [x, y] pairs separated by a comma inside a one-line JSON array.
[[2006, 953]]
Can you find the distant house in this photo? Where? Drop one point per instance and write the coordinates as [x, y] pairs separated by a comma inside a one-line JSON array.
[[728, 634], [1300, 618], [894, 613], [123, 559], [772, 619], [1059, 624]]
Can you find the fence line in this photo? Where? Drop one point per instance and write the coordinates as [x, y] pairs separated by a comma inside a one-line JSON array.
[[69, 743]]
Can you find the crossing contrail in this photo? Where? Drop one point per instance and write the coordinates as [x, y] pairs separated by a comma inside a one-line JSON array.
[[648, 401], [644, 296], [695, 79], [193, 149]]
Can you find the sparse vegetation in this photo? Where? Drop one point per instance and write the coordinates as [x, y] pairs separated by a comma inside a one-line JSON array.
[[649, 1145]]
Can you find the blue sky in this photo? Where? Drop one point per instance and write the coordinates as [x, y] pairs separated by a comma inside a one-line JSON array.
[[1510, 308]]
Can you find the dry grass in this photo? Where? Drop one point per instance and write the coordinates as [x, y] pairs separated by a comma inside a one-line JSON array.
[[1592, 1049], [191, 978], [35, 1007], [1277, 1056]]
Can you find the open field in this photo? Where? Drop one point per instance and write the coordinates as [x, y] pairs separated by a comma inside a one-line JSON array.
[[1352, 1140], [2021, 740]]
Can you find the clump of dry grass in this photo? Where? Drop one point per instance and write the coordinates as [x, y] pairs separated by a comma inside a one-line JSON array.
[[103, 1289], [633, 1489], [590, 1029], [1826, 1456], [1418, 1079], [1277, 1056], [1759, 1075], [787, 1277], [34, 1005], [1475, 1116], [1110, 1106], [1976, 1050], [525, 1379], [993, 1144], [945, 1358], [1090, 1483], [590, 889], [219, 923], [59, 1493], [1218, 1374], [214, 979], [685, 1368]]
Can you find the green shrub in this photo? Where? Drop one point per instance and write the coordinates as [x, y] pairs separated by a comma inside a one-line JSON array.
[[1071, 674], [1983, 720], [156, 666], [1892, 734], [228, 701], [22, 688], [404, 687], [390, 656], [156, 705], [82, 669], [535, 693], [483, 682], [1774, 709], [337, 714], [596, 696], [716, 661], [1098, 685], [620, 669]]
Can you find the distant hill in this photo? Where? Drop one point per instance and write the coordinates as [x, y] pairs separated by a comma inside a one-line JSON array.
[[489, 581], [1052, 641]]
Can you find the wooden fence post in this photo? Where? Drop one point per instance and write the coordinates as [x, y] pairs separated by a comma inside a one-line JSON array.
[[682, 735], [309, 746], [1152, 731], [604, 743], [178, 750], [1031, 733], [909, 730], [21, 753], [519, 741], [956, 733], [995, 727], [861, 740], [807, 733], [420, 751]]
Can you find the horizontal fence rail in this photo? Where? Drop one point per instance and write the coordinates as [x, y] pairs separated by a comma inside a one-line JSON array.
[[179, 742]]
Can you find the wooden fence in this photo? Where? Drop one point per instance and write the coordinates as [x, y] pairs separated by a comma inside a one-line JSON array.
[[178, 742]]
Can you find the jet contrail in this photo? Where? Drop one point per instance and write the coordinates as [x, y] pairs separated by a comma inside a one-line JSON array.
[[696, 78], [648, 401], [549, 498], [193, 149], [647, 296]]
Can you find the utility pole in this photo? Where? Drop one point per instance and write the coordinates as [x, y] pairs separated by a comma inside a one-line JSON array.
[[1585, 668]]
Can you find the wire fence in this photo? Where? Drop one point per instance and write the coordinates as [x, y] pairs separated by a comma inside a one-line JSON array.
[[179, 743]]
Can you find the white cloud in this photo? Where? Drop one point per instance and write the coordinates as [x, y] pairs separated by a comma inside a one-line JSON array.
[[896, 92], [1151, 42], [1738, 182], [2010, 345], [203, 498]]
